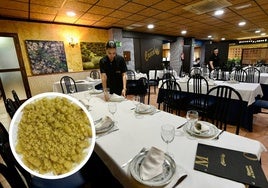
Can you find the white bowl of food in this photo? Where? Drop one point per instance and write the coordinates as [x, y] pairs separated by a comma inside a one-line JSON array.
[[52, 135]]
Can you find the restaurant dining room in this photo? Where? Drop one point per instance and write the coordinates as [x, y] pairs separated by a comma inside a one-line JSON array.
[[134, 94]]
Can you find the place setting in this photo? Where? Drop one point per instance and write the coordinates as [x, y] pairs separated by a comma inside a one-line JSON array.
[[154, 167], [106, 125], [195, 128]]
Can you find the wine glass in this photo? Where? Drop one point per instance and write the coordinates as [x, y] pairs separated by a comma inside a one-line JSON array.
[[112, 107], [192, 117], [88, 97], [72, 89], [167, 134], [136, 100]]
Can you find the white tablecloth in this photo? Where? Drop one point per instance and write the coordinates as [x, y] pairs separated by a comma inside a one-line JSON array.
[[135, 133], [248, 91], [264, 78], [82, 85]]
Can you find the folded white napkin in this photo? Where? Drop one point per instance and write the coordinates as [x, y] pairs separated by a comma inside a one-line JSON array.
[[116, 98], [143, 107], [104, 123], [200, 127], [152, 164]]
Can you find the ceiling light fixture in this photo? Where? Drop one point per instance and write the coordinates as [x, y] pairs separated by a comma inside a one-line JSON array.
[[222, 38], [263, 34], [257, 31], [243, 6], [183, 32], [71, 13], [242, 23], [218, 12], [150, 26], [209, 36]]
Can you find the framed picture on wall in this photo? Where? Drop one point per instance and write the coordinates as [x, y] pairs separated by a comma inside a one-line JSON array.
[[91, 53], [46, 57]]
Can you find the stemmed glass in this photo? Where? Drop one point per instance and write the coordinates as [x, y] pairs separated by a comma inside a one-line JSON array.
[[72, 89], [112, 107], [167, 134], [192, 117], [88, 97]]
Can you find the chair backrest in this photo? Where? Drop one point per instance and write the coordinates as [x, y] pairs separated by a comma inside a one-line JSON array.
[[67, 84], [168, 76], [253, 75], [10, 106], [2, 91], [240, 75], [219, 106], [95, 74], [12, 166], [195, 70], [197, 84], [16, 99], [131, 75]]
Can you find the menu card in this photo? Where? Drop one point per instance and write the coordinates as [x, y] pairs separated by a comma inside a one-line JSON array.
[[234, 165]]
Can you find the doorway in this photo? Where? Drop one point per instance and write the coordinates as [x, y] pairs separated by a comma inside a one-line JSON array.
[[12, 71]]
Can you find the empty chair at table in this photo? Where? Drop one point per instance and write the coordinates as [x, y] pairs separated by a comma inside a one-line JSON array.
[[131, 75], [68, 85], [197, 88], [222, 104], [95, 74], [195, 70], [170, 97], [142, 88], [168, 76], [239, 75], [152, 81], [253, 75]]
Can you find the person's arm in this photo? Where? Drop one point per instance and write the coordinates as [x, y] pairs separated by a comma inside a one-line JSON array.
[[104, 86], [124, 78], [211, 65]]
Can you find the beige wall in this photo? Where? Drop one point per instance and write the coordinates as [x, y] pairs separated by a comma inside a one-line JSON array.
[[53, 32]]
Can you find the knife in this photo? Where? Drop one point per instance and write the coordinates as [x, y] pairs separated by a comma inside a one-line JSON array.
[[181, 125], [179, 180]]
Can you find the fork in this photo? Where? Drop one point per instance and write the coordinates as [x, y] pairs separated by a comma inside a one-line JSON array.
[[218, 136], [130, 160]]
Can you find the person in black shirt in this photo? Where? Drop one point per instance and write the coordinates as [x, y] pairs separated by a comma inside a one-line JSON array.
[[113, 71], [214, 60]]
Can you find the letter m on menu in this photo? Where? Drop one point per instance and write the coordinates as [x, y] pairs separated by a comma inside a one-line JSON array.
[[201, 161]]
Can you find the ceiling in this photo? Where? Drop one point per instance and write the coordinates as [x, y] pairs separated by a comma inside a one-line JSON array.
[[168, 16]]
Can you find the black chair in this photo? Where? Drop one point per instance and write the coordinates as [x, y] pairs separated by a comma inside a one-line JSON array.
[[168, 76], [11, 107], [195, 70], [131, 75], [197, 88], [142, 88], [152, 82], [253, 75], [95, 74], [170, 96], [219, 106], [17, 101], [262, 102], [68, 85], [240, 75]]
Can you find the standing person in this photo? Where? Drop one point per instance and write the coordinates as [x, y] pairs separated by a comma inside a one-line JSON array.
[[214, 60], [113, 71]]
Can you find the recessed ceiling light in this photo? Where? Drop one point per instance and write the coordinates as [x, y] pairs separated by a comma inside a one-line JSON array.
[[243, 6], [242, 23], [263, 34], [150, 26], [71, 13], [218, 12], [257, 31], [209, 36], [222, 38], [183, 32]]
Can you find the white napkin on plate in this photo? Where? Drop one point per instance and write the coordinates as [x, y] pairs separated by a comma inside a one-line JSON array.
[[143, 107], [104, 123], [116, 98], [90, 79], [152, 164], [200, 127]]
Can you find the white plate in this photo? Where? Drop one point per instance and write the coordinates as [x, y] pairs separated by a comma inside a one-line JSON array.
[[95, 91], [150, 110], [13, 134], [212, 130], [169, 169]]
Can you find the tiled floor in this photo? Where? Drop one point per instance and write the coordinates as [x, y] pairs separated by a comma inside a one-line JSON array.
[[260, 129]]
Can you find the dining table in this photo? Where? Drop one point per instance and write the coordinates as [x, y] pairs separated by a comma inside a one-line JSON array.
[[82, 85], [135, 131]]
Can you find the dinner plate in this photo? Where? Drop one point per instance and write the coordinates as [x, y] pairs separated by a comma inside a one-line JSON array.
[[210, 133], [150, 110], [102, 129], [169, 169], [95, 91], [14, 133]]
